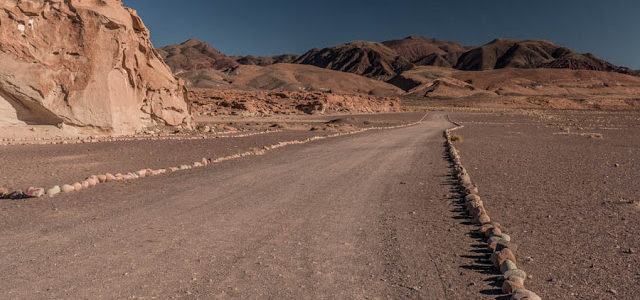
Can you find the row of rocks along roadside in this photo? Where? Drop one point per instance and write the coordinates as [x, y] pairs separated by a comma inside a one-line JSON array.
[[93, 180], [498, 242], [127, 138]]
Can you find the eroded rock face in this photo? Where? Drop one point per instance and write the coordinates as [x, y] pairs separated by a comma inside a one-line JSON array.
[[85, 63]]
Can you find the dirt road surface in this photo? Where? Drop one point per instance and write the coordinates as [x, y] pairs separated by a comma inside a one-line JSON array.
[[362, 216]]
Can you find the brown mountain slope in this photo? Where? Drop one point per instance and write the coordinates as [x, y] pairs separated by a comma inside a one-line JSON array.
[[287, 77], [427, 52], [195, 55], [544, 88], [369, 59], [531, 54], [266, 60]]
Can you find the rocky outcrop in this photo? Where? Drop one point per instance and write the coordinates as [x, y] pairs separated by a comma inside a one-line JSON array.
[[264, 103], [85, 63]]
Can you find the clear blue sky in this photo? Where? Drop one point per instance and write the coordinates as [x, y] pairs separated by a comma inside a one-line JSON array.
[[608, 28]]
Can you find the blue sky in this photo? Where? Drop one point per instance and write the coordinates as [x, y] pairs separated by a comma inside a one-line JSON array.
[[609, 29]]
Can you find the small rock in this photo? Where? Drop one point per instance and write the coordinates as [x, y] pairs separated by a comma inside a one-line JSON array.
[[500, 257], [612, 291], [492, 231], [482, 218], [109, 177], [35, 192], [93, 181], [502, 244], [67, 188], [141, 173], [85, 184], [54, 191], [523, 294], [3, 192], [616, 165], [185, 167], [517, 273], [197, 165], [77, 186], [509, 286], [484, 228], [503, 236], [507, 265], [102, 178]]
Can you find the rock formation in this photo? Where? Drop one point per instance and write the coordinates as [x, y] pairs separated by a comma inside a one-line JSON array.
[[85, 63], [265, 103]]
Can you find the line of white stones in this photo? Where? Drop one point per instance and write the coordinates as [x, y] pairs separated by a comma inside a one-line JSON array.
[[503, 250], [93, 180], [127, 138]]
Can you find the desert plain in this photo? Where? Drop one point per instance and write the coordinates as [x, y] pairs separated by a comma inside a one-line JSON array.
[[406, 169]]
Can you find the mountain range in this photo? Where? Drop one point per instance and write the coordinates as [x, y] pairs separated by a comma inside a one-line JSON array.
[[416, 67], [383, 61]]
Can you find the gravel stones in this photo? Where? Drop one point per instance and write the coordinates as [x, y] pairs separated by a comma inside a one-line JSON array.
[[524, 294]]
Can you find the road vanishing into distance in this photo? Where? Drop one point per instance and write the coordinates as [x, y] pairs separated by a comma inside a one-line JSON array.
[[369, 215]]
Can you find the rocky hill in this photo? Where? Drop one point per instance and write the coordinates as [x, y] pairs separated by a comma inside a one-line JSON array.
[[422, 51], [266, 60], [373, 60], [531, 54], [88, 64], [195, 55]]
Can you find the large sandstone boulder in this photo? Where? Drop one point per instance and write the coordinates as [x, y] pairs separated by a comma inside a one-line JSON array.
[[85, 63]]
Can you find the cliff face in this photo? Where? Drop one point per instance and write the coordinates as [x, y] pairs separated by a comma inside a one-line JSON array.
[[85, 63]]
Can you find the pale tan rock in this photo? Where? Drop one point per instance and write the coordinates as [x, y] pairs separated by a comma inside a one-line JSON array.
[[85, 184], [67, 188], [102, 178], [109, 177], [93, 181], [77, 186], [54, 191], [85, 64]]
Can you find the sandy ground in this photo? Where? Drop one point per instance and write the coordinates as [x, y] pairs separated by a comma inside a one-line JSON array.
[[565, 185], [363, 216]]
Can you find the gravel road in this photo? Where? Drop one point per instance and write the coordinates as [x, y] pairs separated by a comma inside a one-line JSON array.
[[362, 216]]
